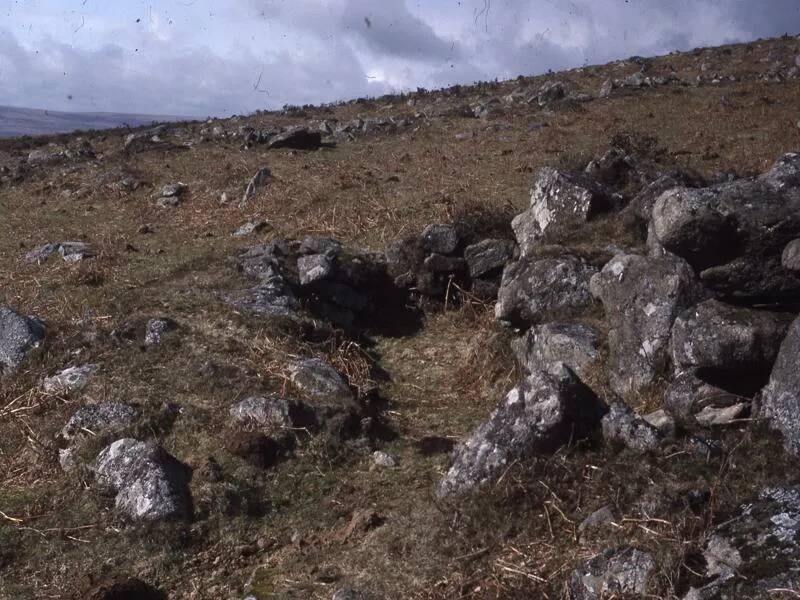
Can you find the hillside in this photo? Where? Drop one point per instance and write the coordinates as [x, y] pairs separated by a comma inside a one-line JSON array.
[[316, 353], [15, 121]]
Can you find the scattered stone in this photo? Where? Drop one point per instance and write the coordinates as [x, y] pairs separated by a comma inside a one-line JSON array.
[[577, 346], [19, 335], [620, 424], [488, 257], [559, 202], [621, 572], [94, 419], [642, 297], [755, 551], [440, 239], [720, 336], [172, 190], [607, 88], [258, 181], [69, 251], [545, 411], [602, 516], [383, 460], [150, 484], [533, 289], [297, 138], [168, 202], [250, 228], [320, 381], [314, 267], [780, 400], [70, 380], [155, 330]]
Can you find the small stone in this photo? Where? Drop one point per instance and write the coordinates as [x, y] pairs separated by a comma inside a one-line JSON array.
[[598, 518], [258, 181], [94, 419], [172, 190], [714, 417], [264, 411], [623, 425], [320, 381], [622, 572], [69, 380], [250, 228], [345, 593], [440, 239], [662, 421], [607, 88], [383, 460], [314, 267], [168, 202], [19, 335], [155, 330]]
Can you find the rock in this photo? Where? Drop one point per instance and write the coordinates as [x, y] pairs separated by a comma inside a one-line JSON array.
[[559, 202], [150, 484], [636, 80], [250, 228], [345, 593], [274, 413], [320, 381], [41, 254], [172, 190], [488, 256], [602, 516], [662, 421], [438, 263], [733, 234], [545, 411], [69, 251], [551, 91], [314, 267], [714, 335], [688, 395], [19, 335], [780, 399], [257, 449], [155, 330], [642, 297], [577, 346], [297, 138], [258, 181], [622, 425], [756, 550], [273, 297], [790, 257], [484, 290], [383, 460], [70, 380], [94, 419], [320, 245], [533, 289], [168, 202], [440, 239], [621, 572], [714, 417], [607, 88]]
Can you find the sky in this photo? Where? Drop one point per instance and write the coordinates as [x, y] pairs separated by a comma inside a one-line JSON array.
[[203, 58]]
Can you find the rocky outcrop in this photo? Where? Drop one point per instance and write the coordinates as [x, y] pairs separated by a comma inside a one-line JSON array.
[[149, 483], [642, 297], [533, 290], [19, 335], [780, 400], [545, 411]]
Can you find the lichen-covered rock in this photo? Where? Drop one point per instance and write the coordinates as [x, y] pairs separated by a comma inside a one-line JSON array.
[[319, 381], [149, 483], [715, 335], [559, 202], [620, 424], [94, 419], [577, 346], [70, 380], [69, 251], [622, 572], [440, 239], [543, 412], [688, 395], [155, 330], [19, 335], [780, 399], [273, 413], [756, 550], [314, 267], [533, 289], [642, 297], [250, 228], [488, 256], [733, 234]]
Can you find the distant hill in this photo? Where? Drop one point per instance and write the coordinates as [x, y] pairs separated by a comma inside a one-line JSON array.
[[27, 121]]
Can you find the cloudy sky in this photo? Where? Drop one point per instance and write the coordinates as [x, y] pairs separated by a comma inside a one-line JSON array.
[[221, 57]]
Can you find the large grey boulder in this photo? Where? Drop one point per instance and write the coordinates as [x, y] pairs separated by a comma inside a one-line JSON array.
[[440, 239], [780, 399], [559, 202], [756, 550], [688, 396], [150, 484], [733, 234], [642, 297], [535, 289], [488, 256], [621, 572], [297, 138], [715, 335], [545, 411], [19, 335], [577, 346]]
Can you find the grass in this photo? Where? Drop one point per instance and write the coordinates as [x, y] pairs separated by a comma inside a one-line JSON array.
[[280, 529]]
